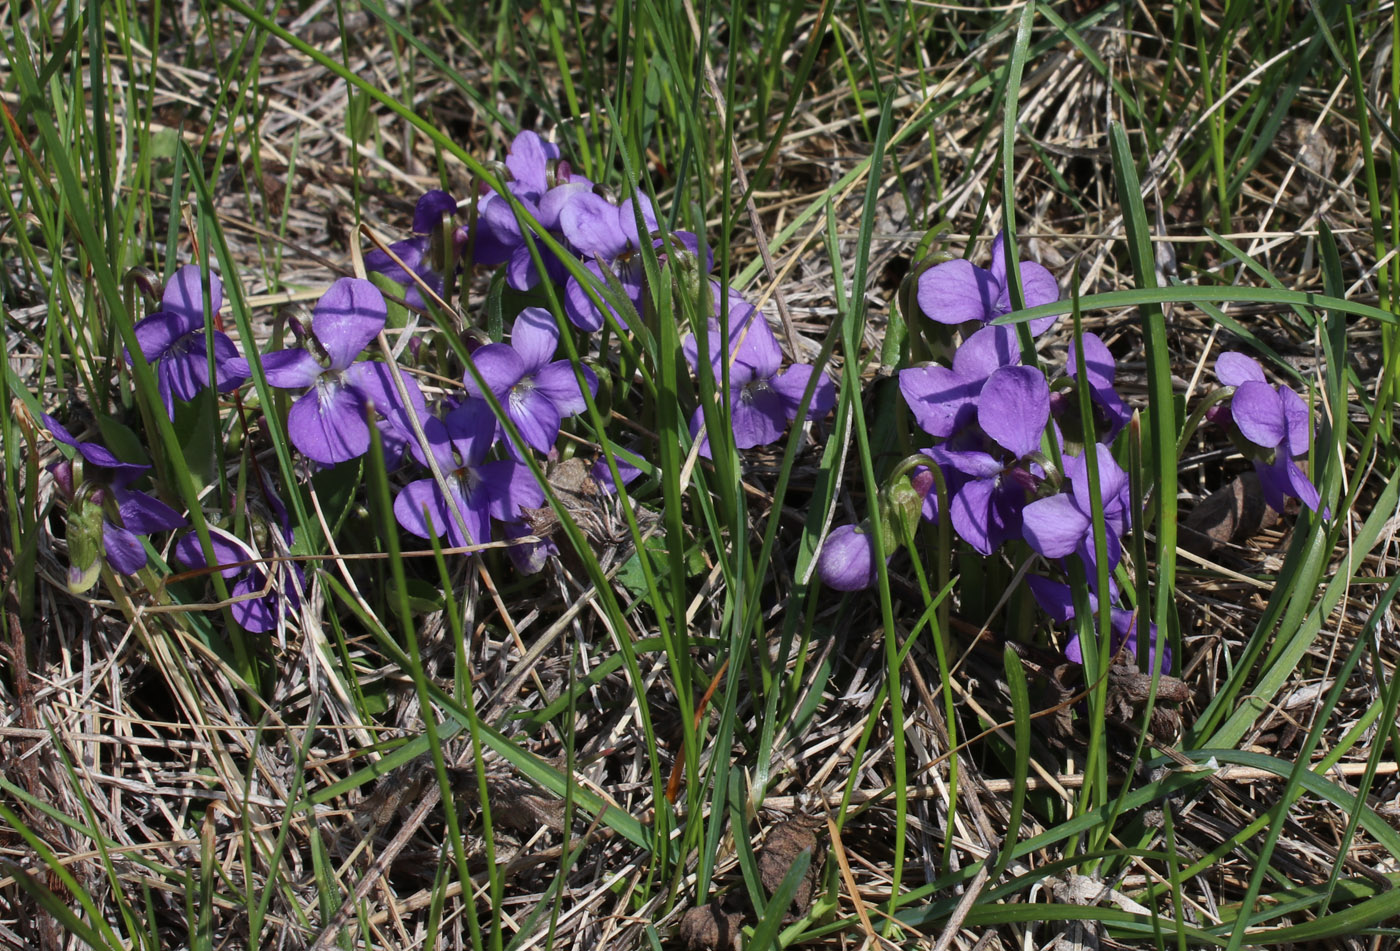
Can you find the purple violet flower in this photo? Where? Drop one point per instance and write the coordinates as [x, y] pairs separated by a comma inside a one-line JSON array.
[[328, 424], [252, 610], [543, 190], [480, 490], [944, 401], [847, 559], [132, 514], [537, 391], [1271, 418], [1056, 600], [174, 342], [958, 291], [1013, 408], [416, 252], [1063, 524], [762, 400]]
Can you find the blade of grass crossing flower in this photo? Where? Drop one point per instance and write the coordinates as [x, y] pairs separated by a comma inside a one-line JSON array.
[[1162, 424], [1097, 658], [1182, 294], [1305, 566], [818, 506], [170, 458]]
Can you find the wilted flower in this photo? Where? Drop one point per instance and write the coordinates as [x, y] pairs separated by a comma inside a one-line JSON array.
[[1271, 418], [958, 291], [174, 341], [126, 512], [537, 391]]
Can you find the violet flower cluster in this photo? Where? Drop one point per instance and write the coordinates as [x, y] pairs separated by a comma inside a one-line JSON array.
[[996, 426], [1003, 457]]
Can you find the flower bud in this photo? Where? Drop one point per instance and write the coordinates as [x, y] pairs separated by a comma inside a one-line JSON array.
[[847, 560]]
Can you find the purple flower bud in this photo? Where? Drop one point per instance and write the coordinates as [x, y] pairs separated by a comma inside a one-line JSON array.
[[847, 559]]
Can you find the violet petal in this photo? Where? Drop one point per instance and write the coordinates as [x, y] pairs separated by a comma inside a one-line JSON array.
[[347, 318], [1014, 408], [328, 424], [1258, 412], [534, 336], [1233, 368], [123, 549], [1054, 526], [956, 291]]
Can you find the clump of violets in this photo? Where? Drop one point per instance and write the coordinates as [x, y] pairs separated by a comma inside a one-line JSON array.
[[764, 396], [1276, 426], [106, 516], [175, 342]]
